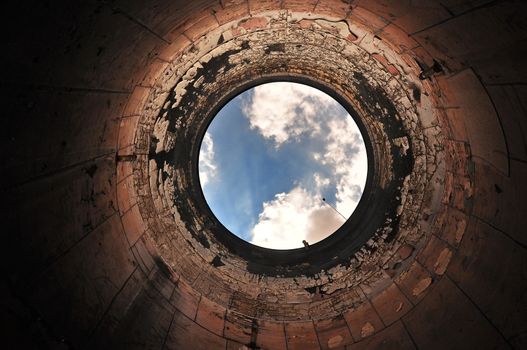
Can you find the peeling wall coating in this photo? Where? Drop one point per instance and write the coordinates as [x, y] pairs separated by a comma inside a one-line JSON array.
[[360, 252], [110, 243]]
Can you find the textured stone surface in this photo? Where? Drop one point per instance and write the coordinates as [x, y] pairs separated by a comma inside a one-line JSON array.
[[429, 322], [87, 263], [366, 265]]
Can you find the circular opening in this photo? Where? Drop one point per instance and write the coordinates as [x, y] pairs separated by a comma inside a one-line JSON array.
[[282, 165]]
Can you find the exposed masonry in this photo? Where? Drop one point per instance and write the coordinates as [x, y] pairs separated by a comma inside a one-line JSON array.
[[353, 59], [80, 270]]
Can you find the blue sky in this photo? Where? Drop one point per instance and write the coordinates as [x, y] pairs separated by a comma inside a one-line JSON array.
[[269, 157]]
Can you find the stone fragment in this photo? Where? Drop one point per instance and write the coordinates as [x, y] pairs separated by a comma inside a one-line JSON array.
[[421, 286], [367, 330]]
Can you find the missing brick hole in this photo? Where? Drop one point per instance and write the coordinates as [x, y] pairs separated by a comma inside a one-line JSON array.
[[428, 72], [416, 92]]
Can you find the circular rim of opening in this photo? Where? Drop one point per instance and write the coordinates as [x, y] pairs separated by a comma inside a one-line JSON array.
[[288, 79], [308, 81]]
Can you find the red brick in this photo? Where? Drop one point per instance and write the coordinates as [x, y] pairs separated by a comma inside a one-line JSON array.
[[234, 345], [341, 300], [435, 256], [333, 8], [405, 251], [473, 111], [211, 316], [458, 191], [405, 14], [201, 338], [254, 23], [271, 335], [243, 303], [351, 37], [126, 197], [256, 6], [449, 320], [124, 169], [423, 56], [391, 304], [143, 255], [372, 286], [456, 155], [136, 101], [485, 269], [175, 48], [393, 337], [238, 327], [229, 3], [508, 102], [401, 256], [363, 321], [397, 38], [299, 5], [154, 70], [231, 12], [185, 299], [202, 27], [196, 17], [127, 129], [500, 200], [306, 23], [415, 282], [159, 281], [410, 59], [333, 333], [454, 227], [301, 336], [387, 65], [367, 18], [133, 224]]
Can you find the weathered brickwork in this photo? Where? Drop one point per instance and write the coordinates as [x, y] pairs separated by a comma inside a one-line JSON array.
[[108, 244], [380, 84]]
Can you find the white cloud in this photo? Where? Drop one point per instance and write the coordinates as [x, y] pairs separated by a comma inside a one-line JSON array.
[[292, 217], [346, 155], [283, 110], [321, 182], [207, 167]]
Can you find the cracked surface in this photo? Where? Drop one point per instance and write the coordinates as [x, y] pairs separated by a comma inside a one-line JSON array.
[[406, 155], [107, 244]]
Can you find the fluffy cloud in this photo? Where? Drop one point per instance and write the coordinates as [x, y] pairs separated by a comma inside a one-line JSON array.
[[207, 167], [321, 182], [283, 110], [345, 154], [292, 217]]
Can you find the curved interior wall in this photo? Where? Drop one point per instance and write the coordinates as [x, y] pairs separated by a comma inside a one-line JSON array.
[[96, 254]]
